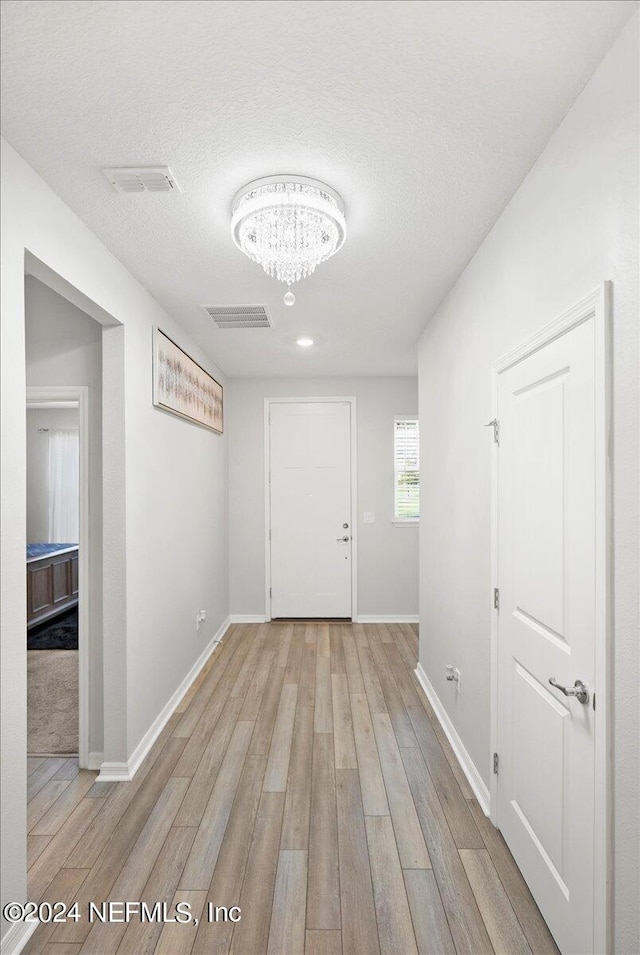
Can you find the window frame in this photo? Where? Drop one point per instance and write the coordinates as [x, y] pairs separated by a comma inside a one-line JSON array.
[[403, 521]]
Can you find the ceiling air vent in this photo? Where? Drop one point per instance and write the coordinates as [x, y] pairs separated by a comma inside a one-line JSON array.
[[238, 316], [142, 179]]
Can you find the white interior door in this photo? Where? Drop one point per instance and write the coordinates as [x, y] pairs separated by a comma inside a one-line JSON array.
[[310, 483], [547, 627]]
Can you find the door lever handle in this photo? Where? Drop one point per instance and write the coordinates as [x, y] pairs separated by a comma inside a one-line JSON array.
[[579, 690], [344, 539]]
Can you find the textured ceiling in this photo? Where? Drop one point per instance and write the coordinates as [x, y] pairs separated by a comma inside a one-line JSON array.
[[425, 116]]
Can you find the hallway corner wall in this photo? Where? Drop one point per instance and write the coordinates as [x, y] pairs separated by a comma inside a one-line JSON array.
[[171, 476]]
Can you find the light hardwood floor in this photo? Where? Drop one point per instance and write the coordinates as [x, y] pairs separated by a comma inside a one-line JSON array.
[[306, 779]]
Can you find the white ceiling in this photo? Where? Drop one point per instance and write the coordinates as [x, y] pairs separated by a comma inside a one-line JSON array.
[[424, 115]]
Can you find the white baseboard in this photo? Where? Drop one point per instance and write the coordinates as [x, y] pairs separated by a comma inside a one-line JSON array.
[[388, 618], [468, 766], [123, 772], [17, 937], [114, 773]]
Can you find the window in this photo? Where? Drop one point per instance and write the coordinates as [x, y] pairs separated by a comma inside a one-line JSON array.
[[406, 463]]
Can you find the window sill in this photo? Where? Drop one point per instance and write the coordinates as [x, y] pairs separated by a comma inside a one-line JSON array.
[[407, 522]]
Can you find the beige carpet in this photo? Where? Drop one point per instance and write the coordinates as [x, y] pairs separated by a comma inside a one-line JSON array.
[[52, 702]]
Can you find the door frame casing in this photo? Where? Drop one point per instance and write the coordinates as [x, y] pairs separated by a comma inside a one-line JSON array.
[[353, 437], [596, 307], [79, 394]]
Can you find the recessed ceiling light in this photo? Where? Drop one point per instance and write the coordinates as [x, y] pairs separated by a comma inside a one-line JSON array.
[[304, 342]]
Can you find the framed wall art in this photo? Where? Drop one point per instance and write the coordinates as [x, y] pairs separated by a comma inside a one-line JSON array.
[[182, 387]]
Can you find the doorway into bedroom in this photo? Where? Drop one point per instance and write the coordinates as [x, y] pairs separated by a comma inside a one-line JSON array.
[[64, 529], [53, 538]]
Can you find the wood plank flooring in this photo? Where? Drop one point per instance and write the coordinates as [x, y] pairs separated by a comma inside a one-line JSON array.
[[305, 779]]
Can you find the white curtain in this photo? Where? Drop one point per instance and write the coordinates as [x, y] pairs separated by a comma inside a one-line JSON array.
[[64, 486]]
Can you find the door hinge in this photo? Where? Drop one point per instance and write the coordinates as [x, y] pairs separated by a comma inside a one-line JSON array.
[[496, 599], [270, 592], [269, 535], [496, 760], [495, 424]]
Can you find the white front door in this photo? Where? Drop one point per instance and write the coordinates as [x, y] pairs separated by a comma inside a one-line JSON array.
[[547, 556], [310, 485]]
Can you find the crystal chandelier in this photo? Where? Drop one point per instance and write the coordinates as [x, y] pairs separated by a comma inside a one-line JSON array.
[[289, 225]]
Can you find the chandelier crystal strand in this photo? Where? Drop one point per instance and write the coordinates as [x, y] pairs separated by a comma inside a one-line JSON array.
[[289, 225]]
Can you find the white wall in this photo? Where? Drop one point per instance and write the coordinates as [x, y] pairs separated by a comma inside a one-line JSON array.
[[387, 555], [38, 465], [572, 225], [165, 551]]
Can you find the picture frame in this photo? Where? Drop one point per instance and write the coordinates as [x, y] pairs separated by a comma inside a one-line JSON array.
[[183, 387]]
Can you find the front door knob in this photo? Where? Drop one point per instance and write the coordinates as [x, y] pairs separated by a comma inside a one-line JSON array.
[[343, 540]]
